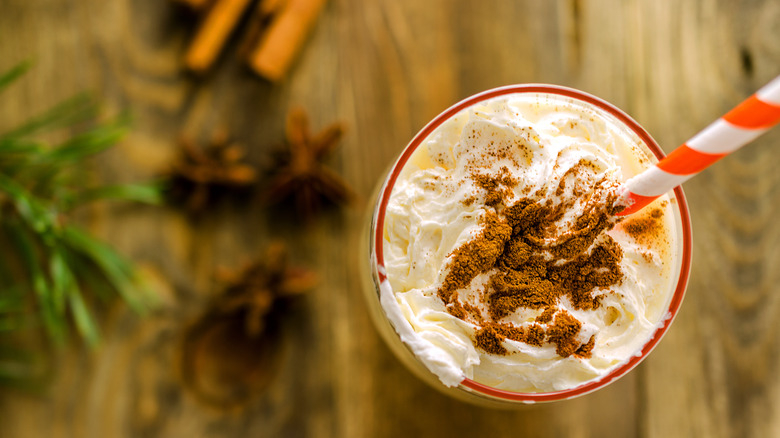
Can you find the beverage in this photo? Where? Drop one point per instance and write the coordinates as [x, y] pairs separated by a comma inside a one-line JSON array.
[[498, 260]]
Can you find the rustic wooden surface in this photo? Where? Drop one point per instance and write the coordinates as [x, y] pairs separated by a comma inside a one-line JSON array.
[[385, 67]]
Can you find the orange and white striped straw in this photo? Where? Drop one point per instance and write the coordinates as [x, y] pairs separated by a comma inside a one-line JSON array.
[[740, 126]]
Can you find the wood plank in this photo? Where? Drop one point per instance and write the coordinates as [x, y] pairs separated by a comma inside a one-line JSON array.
[[385, 68]]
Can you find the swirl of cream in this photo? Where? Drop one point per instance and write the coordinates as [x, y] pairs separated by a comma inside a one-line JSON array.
[[436, 206]]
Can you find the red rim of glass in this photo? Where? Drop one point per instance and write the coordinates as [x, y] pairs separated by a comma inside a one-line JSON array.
[[682, 205]]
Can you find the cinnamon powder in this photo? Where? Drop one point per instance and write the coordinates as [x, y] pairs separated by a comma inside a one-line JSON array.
[[476, 256], [527, 271], [646, 228], [563, 333], [498, 187]]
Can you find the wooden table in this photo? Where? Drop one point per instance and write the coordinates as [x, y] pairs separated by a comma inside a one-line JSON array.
[[385, 68]]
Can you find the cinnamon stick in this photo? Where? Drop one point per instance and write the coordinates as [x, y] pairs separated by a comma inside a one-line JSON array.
[[258, 22], [284, 38], [269, 7], [195, 5], [212, 34]]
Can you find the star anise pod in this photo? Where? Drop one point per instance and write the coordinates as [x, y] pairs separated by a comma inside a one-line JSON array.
[[256, 288], [300, 177], [200, 175], [232, 352]]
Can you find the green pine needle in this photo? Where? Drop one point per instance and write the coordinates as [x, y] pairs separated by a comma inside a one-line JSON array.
[[60, 269], [77, 109], [13, 74], [145, 193]]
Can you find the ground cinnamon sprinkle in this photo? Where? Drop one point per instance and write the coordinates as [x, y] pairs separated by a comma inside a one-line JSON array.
[[527, 271], [496, 197], [491, 334], [580, 276], [474, 312], [572, 171], [527, 287], [476, 256], [535, 335], [456, 309], [563, 333], [645, 228], [587, 227], [586, 350], [489, 340], [498, 187], [546, 316]]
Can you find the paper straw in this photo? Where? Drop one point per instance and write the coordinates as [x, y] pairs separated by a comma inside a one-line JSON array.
[[751, 118]]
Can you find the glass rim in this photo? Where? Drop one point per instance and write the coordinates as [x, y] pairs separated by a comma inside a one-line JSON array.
[[682, 207]]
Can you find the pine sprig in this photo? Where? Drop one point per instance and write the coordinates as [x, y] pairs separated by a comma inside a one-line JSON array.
[[20, 366], [59, 269]]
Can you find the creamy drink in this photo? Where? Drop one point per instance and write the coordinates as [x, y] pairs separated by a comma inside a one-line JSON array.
[[502, 261]]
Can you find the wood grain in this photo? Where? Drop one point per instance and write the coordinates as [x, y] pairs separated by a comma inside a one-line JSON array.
[[385, 68]]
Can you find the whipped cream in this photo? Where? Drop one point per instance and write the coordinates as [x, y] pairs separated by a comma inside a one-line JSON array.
[[538, 141]]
